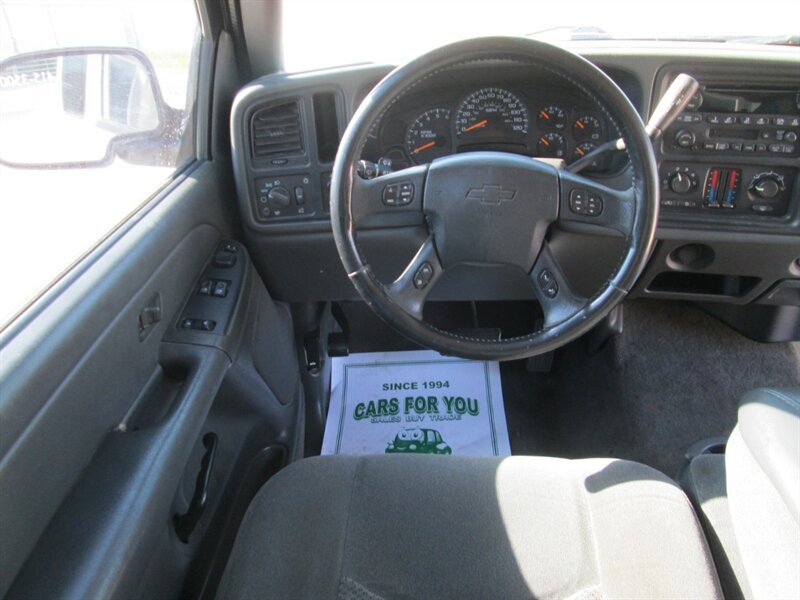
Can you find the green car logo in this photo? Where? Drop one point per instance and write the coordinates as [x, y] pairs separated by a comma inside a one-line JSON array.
[[418, 441]]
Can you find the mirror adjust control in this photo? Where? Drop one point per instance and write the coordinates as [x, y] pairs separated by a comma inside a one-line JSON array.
[[224, 260]]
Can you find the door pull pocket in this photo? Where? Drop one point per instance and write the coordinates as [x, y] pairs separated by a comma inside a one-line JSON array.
[[185, 523]]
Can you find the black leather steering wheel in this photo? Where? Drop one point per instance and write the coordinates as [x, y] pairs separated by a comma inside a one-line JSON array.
[[494, 208]]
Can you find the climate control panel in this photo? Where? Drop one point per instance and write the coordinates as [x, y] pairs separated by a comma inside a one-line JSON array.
[[726, 189]]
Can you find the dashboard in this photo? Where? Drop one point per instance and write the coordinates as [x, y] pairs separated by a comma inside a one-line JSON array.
[[729, 226]]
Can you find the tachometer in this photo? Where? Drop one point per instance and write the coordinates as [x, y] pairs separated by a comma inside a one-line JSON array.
[[428, 137], [491, 111]]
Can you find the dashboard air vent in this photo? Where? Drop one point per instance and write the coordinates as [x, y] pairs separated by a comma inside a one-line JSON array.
[[276, 131]]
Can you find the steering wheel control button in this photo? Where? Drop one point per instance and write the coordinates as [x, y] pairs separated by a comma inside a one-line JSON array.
[[406, 192], [577, 201], [390, 194], [594, 205], [582, 202], [548, 283], [398, 194], [423, 275]]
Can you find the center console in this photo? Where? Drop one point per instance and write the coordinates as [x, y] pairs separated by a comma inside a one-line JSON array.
[[732, 155]]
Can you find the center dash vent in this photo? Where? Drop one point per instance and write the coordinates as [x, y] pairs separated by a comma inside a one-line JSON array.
[[276, 131]]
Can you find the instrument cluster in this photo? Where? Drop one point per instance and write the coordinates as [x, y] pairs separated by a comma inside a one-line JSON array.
[[530, 122]]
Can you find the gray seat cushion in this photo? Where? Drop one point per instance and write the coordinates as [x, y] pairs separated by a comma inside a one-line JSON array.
[[457, 527], [762, 461]]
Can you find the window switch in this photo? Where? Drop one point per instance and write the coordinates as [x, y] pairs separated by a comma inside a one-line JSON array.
[[220, 289], [206, 325], [205, 287]]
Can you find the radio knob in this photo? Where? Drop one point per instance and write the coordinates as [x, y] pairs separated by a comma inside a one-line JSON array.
[[766, 185], [685, 138], [680, 183], [279, 197]]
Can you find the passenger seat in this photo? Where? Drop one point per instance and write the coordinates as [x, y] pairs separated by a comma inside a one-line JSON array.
[[748, 498]]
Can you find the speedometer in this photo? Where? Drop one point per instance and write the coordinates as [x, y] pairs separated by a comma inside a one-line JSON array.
[[490, 112]]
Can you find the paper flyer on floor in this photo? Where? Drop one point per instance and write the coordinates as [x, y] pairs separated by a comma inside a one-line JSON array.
[[416, 402]]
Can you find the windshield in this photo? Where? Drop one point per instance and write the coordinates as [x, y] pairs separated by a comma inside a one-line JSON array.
[[323, 33]]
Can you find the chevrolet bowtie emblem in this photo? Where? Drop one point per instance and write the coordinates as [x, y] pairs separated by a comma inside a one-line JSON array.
[[491, 194]]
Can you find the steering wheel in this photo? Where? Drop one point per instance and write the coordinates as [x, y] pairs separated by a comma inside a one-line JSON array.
[[495, 208]]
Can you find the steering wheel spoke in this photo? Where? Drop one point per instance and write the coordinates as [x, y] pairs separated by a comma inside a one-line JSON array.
[[411, 288], [595, 208], [558, 300], [390, 200]]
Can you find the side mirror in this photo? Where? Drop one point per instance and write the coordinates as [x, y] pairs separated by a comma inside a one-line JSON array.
[[83, 107]]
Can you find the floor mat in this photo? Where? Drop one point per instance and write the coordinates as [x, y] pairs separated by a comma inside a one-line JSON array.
[[417, 402]]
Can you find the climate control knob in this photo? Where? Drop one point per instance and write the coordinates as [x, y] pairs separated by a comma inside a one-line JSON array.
[[679, 180], [767, 186], [279, 197], [680, 183]]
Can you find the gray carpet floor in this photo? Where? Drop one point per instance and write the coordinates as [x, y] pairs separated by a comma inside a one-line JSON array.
[[675, 376]]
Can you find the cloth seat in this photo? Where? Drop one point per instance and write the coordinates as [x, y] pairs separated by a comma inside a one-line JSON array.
[[459, 527]]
